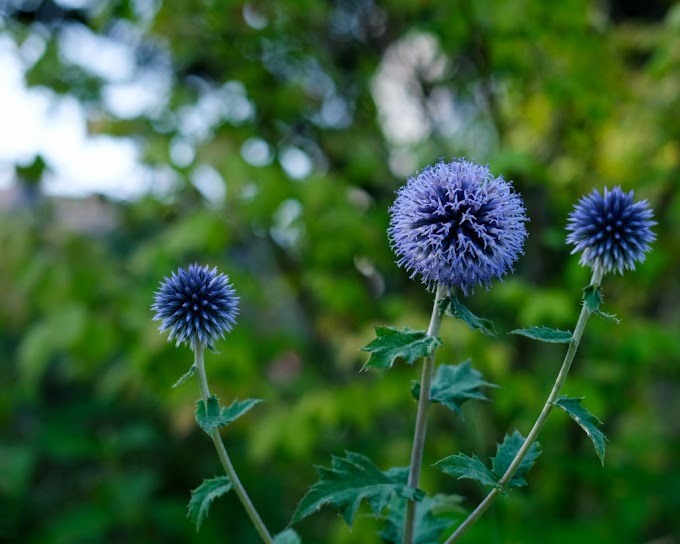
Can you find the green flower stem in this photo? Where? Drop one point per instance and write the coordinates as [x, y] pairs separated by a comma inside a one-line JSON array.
[[536, 429], [421, 417], [224, 456]]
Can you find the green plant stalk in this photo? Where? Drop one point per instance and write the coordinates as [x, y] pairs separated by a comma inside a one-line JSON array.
[[421, 417], [224, 456], [538, 425]]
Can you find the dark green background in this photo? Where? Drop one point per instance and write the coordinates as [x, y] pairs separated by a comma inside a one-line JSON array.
[[560, 97]]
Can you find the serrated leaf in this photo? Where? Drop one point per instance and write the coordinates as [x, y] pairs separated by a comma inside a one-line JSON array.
[[202, 497], [289, 536], [392, 343], [587, 421], [607, 317], [453, 307], [188, 374], [452, 385], [545, 334], [462, 466], [433, 516], [211, 415], [505, 454], [349, 481], [592, 297]]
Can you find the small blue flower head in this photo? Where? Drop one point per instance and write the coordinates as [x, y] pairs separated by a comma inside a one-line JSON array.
[[457, 225], [611, 231], [197, 305]]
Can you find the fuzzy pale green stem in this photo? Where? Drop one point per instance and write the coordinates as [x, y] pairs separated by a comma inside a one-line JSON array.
[[538, 425], [421, 417], [224, 456]]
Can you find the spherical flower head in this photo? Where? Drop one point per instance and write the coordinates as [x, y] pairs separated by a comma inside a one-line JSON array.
[[611, 230], [457, 225], [197, 305]]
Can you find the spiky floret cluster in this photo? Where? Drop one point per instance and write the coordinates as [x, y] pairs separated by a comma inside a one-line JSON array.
[[197, 305], [457, 225], [611, 230]]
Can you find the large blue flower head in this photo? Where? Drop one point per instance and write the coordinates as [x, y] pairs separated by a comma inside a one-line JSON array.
[[611, 231], [457, 225], [197, 305]]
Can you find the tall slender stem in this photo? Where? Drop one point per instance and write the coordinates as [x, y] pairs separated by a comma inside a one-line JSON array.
[[538, 425], [421, 417], [224, 456]]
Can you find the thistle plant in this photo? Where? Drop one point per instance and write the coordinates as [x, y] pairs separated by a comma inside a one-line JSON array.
[[198, 306], [612, 232], [455, 226]]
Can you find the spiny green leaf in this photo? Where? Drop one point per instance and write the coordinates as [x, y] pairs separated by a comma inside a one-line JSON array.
[[452, 385], [433, 516], [463, 466], [202, 497], [607, 317], [188, 374], [453, 307], [592, 297], [505, 454], [392, 344], [587, 421], [289, 536], [211, 415], [350, 480], [545, 334]]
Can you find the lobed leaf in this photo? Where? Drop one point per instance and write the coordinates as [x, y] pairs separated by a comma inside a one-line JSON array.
[[392, 343], [433, 516], [453, 307], [506, 452], [349, 481], [462, 466], [545, 334], [289, 536], [202, 497], [211, 415], [592, 297], [452, 385], [587, 421]]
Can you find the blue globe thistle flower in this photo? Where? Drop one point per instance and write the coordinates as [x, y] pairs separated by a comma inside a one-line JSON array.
[[611, 231], [457, 225], [197, 305]]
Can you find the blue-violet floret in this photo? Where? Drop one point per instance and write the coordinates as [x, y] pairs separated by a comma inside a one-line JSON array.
[[611, 230], [197, 305], [457, 225]]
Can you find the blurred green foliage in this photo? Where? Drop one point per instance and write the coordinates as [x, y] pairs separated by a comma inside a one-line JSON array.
[[560, 97]]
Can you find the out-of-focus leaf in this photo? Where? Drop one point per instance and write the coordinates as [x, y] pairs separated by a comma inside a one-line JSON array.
[[433, 516], [289, 536], [545, 334], [185, 377], [452, 385]]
